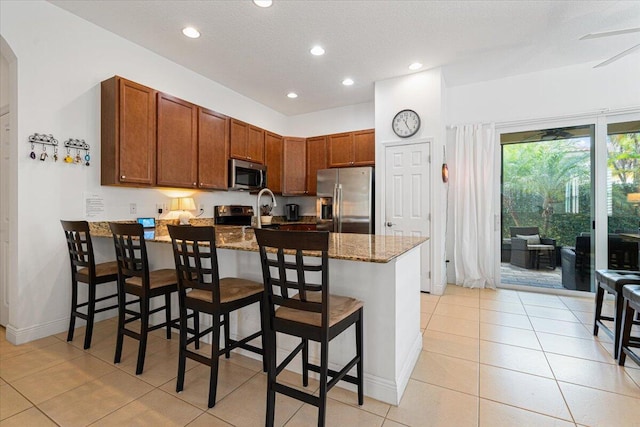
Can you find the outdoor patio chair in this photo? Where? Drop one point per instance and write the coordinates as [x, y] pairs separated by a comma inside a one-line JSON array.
[[528, 248]]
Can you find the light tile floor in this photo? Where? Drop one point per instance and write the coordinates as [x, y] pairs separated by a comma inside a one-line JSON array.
[[490, 358]]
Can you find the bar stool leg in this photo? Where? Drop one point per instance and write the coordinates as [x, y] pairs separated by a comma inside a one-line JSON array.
[[182, 357], [324, 367], [227, 337], [91, 311], [167, 313], [305, 362], [122, 305], [617, 323], [360, 365], [627, 316], [599, 298], [144, 330], [74, 309], [215, 357]]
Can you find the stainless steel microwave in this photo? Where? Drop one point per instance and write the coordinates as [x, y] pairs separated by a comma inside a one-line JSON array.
[[246, 175]]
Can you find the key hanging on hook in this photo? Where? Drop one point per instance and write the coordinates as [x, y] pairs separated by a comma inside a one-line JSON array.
[[55, 154], [33, 153], [78, 159], [44, 155], [68, 158], [87, 157]]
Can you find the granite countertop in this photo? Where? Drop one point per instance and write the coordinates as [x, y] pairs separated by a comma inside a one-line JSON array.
[[345, 246]]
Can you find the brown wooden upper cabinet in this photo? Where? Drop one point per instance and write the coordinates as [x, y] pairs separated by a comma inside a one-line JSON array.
[[213, 150], [273, 161], [246, 142], [177, 139], [128, 133], [316, 159], [351, 149], [294, 166]]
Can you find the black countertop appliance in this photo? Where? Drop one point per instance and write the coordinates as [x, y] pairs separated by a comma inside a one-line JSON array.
[[292, 212]]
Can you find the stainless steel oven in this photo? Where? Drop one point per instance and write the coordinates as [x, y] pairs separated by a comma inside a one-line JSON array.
[[246, 175]]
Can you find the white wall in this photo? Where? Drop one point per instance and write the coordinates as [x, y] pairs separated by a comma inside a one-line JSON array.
[[424, 93], [61, 60], [551, 93], [4, 83], [336, 120]]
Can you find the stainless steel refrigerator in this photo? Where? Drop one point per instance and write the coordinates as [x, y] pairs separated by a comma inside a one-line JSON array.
[[345, 202]]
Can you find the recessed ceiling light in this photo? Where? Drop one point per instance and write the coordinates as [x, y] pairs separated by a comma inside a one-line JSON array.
[[317, 50], [263, 3], [292, 95], [347, 82], [191, 32], [415, 66]]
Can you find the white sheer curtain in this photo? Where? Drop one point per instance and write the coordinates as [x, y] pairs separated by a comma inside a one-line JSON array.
[[472, 181]]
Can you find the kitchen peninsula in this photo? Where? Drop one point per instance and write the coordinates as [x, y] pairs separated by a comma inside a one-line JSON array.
[[382, 271]]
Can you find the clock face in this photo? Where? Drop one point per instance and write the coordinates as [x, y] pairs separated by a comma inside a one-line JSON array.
[[406, 123]]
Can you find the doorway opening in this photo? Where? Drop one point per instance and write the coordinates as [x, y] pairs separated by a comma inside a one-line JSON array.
[[547, 208]]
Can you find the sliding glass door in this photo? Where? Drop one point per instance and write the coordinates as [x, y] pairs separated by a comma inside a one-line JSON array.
[[547, 208], [623, 193]]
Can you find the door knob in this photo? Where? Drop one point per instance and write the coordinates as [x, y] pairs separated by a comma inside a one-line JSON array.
[[390, 224]]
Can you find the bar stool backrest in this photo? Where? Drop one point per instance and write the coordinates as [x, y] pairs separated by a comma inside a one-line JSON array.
[[79, 246], [194, 250], [287, 272], [131, 251]]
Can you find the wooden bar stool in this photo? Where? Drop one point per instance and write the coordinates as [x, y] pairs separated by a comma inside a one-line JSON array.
[[134, 278], [612, 281], [201, 289], [631, 295], [306, 310], [85, 270]]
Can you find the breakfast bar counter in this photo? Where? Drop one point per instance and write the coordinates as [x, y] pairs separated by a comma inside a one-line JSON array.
[[382, 271]]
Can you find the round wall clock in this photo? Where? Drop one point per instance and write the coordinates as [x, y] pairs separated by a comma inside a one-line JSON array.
[[406, 123]]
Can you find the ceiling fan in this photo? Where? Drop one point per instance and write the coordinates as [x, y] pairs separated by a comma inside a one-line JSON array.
[[613, 33]]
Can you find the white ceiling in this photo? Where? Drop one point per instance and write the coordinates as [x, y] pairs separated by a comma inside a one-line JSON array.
[[264, 53]]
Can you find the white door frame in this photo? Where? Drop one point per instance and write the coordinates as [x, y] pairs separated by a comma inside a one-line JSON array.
[[381, 192], [10, 198]]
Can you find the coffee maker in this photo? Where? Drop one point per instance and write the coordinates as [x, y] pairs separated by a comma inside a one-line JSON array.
[[292, 212]]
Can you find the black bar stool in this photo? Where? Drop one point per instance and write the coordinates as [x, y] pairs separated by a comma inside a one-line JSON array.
[[612, 281], [631, 295], [134, 278], [85, 270], [306, 310], [201, 289]]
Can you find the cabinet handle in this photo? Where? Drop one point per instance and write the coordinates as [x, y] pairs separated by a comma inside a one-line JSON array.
[[201, 184], [194, 184], [123, 177]]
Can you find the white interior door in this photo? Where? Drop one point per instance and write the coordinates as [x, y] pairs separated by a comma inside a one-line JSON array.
[[407, 209], [4, 219]]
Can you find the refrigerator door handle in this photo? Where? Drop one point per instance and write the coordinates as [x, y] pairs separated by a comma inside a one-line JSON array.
[[334, 213], [339, 208]]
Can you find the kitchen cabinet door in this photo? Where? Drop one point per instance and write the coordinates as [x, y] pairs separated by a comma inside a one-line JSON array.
[[213, 150], [340, 150], [273, 161], [246, 142], [128, 133], [177, 156], [238, 139], [294, 166], [316, 159], [255, 144], [364, 148]]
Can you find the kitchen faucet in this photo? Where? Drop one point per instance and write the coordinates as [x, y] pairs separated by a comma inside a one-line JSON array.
[[273, 197]]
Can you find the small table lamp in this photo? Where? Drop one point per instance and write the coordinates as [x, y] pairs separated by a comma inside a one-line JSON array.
[[183, 204]]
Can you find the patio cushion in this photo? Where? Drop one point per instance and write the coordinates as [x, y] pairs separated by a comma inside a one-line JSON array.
[[533, 239]]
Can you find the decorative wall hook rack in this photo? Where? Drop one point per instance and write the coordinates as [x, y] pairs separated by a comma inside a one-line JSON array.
[[44, 140], [77, 144]]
